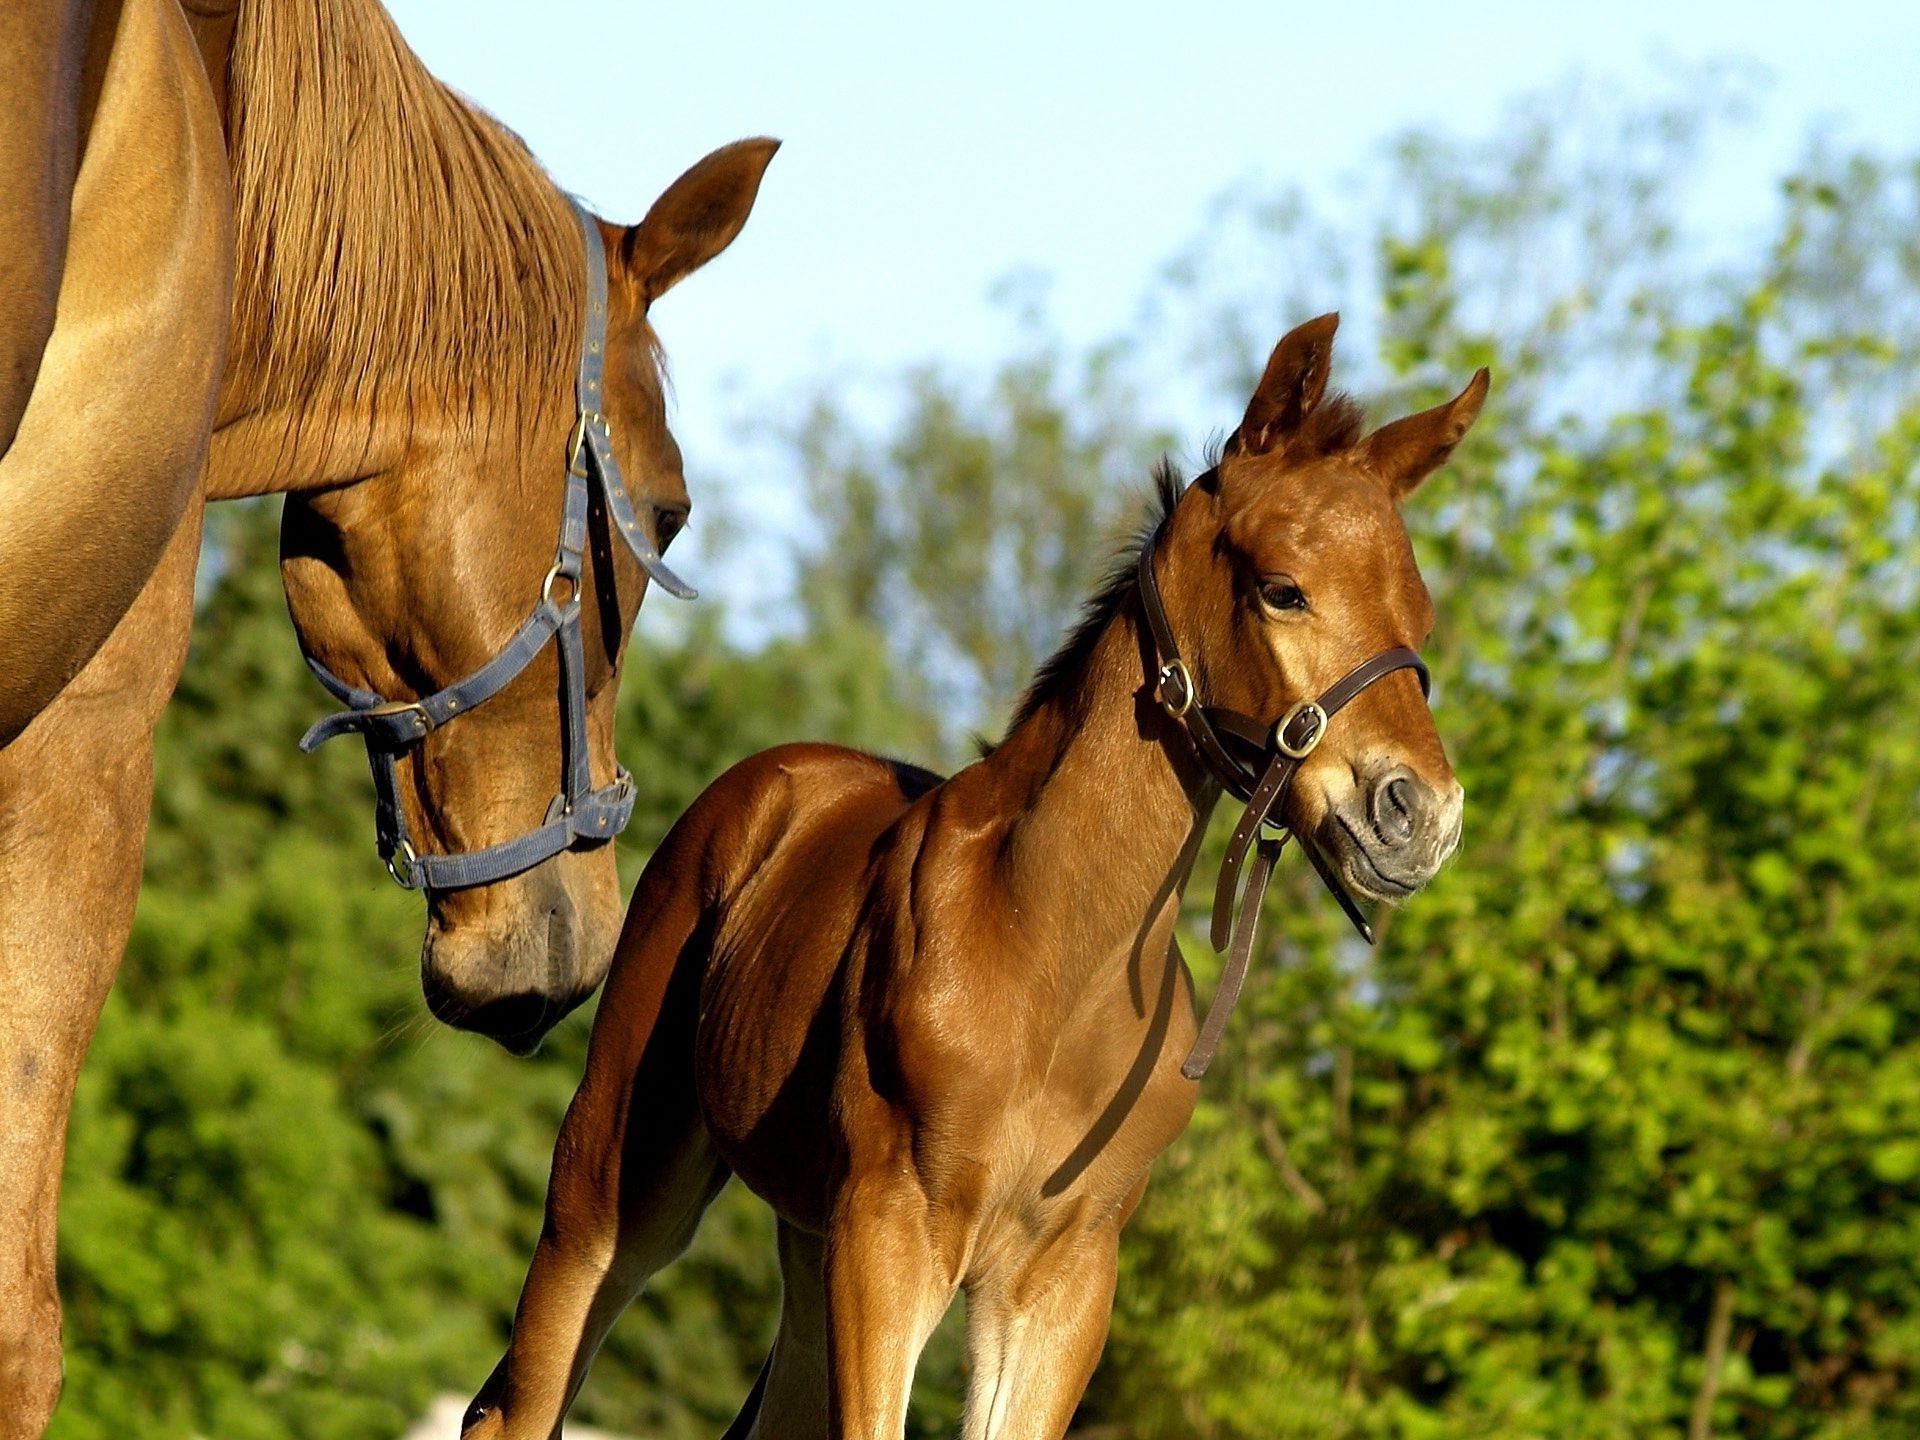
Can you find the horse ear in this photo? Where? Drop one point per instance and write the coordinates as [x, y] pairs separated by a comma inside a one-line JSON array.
[[1295, 379], [1407, 451], [696, 218]]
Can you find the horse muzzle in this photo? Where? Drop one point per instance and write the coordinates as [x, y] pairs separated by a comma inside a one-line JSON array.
[[507, 965], [1393, 831]]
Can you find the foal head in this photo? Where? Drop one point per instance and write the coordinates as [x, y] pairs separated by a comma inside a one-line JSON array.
[[414, 575], [1288, 566]]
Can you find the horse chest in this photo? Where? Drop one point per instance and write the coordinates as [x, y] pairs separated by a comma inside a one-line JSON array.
[[1024, 1109]]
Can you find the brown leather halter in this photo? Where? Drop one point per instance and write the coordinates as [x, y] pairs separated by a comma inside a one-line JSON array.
[[1254, 762]]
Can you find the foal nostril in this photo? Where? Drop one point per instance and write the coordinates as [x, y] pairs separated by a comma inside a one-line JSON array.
[[1395, 817]]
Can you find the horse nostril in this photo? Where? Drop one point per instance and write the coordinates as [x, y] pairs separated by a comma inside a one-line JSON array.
[[1393, 811]]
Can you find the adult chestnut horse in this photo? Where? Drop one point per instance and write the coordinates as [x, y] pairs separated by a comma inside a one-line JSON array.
[[940, 1026], [409, 302]]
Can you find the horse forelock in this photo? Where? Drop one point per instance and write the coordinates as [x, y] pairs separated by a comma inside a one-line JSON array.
[[397, 248]]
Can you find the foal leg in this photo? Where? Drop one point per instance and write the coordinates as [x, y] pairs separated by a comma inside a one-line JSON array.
[[74, 792], [633, 1171], [1034, 1336], [885, 1295], [789, 1402]]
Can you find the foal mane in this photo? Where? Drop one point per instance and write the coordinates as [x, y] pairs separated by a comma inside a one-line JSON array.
[[1063, 667], [394, 243]]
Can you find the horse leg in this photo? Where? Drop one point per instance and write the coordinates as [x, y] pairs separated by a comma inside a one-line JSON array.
[[789, 1400], [634, 1169], [884, 1296], [1033, 1338], [74, 792]]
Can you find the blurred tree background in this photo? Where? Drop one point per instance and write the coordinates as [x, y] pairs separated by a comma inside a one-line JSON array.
[[1614, 1135]]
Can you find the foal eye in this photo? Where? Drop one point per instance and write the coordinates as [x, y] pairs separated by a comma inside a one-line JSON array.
[[667, 524], [1282, 595]]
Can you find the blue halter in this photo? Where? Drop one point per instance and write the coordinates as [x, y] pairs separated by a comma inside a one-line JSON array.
[[579, 813]]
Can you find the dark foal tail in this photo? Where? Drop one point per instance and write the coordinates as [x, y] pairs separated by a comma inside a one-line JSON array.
[[749, 1412]]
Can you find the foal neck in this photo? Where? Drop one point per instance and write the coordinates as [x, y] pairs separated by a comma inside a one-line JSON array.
[[1105, 806]]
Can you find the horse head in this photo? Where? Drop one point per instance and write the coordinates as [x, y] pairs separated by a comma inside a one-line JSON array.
[[1287, 569], [411, 588]]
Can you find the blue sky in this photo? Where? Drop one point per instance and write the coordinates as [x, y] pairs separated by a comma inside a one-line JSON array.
[[933, 148]]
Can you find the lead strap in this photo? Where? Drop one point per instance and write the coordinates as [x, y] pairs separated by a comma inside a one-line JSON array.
[[1234, 975]]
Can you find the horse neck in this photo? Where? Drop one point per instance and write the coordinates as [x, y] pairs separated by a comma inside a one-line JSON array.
[[404, 269], [1108, 806]]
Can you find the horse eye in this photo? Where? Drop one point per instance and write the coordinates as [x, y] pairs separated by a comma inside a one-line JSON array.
[[667, 524], [1282, 595]]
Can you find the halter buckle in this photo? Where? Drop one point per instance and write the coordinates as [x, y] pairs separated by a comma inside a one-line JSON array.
[[577, 441], [392, 708], [1173, 671], [1314, 736], [400, 862]]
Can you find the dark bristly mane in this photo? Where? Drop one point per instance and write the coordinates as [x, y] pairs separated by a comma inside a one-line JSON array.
[[1065, 664], [393, 241], [1335, 424]]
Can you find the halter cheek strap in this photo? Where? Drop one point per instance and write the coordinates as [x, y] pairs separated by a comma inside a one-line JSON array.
[[1256, 763], [578, 813]]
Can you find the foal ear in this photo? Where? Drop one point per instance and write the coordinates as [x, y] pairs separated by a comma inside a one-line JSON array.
[[696, 218], [1295, 379], [1407, 451]]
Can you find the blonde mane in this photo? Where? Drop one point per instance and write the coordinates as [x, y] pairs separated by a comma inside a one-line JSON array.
[[394, 243]]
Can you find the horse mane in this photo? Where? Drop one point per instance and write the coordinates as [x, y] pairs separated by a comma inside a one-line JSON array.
[[394, 243], [1063, 667]]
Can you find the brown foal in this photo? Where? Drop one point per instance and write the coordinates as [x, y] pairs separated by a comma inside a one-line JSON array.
[[939, 1026]]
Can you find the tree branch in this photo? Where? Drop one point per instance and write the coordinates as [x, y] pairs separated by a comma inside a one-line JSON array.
[[1719, 1328], [1277, 1152]]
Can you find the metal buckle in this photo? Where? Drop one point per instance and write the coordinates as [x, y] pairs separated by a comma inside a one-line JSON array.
[[1175, 669], [1292, 752], [577, 441], [402, 873], [401, 707]]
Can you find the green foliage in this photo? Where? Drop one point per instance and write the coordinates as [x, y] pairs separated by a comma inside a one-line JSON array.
[[1611, 1137], [1608, 1138]]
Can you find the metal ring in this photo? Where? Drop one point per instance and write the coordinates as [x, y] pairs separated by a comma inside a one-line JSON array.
[[1280, 742], [1175, 669], [402, 852], [554, 572]]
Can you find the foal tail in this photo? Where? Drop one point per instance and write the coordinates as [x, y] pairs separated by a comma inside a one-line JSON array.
[[742, 1425]]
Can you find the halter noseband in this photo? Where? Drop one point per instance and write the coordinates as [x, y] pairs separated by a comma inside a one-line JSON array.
[[391, 727], [1254, 762]]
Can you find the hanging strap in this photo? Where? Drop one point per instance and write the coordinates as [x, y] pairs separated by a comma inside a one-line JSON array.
[[1257, 764], [1234, 974]]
